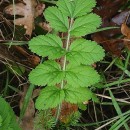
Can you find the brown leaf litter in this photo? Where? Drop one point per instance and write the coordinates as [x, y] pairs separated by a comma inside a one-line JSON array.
[[29, 9]]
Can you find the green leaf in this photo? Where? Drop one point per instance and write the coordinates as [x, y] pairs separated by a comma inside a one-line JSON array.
[[4, 112], [1, 120], [75, 8], [95, 98], [49, 97], [81, 75], [85, 52], [48, 45], [85, 25], [77, 95], [82, 106], [48, 73], [8, 117], [57, 19]]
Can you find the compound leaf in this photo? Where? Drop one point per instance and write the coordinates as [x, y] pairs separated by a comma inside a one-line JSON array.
[[85, 52], [48, 45], [75, 8], [81, 75], [75, 74], [49, 97], [48, 73], [85, 25], [77, 95], [57, 19]]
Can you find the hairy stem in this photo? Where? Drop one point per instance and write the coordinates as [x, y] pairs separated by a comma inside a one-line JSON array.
[[58, 113], [64, 67]]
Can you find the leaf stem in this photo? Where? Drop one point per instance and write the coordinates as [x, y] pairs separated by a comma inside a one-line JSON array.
[[58, 113], [64, 68], [67, 47]]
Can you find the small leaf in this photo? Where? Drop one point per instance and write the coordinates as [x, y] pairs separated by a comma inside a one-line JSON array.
[[49, 97], [95, 98], [48, 45], [57, 19], [82, 106], [48, 73], [85, 25], [75, 8], [81, 75], [85, 52], [77, 95]]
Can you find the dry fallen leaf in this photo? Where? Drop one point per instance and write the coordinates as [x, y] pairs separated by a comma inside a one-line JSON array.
[[45, 26], [126, 32], [27, 122], [66, 110], [29, 9], [119, 18], [107, 8], [33, 59], [113, 46]]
